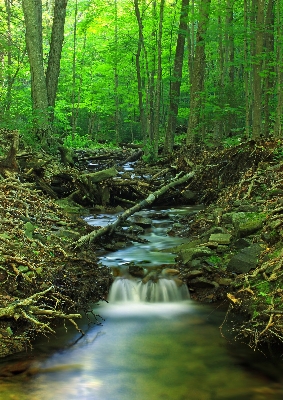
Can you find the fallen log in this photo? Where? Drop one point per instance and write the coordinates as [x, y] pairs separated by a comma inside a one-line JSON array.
[[133, 157], [109, 229]]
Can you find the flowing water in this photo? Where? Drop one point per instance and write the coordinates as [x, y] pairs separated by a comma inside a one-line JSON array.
[[153, 343]]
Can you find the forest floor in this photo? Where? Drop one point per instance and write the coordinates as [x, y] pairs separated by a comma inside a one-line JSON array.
[[235, 255]]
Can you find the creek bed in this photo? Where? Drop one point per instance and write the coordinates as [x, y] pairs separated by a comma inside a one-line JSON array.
[[147, 350]]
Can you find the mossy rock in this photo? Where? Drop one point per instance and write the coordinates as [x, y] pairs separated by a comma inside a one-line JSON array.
[[247, 223]]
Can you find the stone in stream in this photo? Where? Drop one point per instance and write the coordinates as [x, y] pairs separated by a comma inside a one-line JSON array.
[[170, 272], [141, 221], [136, 271]]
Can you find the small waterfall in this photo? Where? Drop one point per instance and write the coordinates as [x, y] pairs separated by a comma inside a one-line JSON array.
[[163, 290]]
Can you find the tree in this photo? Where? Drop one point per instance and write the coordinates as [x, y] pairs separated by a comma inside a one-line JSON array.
[[43, 89], [258, 24], [197, 79], [175, 83]]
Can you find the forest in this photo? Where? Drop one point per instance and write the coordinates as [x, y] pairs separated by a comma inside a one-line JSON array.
[[83, 73], [191, 91]]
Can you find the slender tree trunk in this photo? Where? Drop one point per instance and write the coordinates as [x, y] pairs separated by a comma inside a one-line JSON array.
[[9, 58], [116, 76], [175, 84], [158, 81], [74, 66], [139, 74], [279, 70], [247, 67], [191, 43], [53, 67], [229, 64], [143, 104], [197, 87], [269, 51], [257, 69]]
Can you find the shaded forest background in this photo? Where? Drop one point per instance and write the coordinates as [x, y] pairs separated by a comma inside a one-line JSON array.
[[82, 72]]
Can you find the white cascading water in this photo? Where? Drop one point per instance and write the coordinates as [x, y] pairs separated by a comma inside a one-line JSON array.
[[130, 290]]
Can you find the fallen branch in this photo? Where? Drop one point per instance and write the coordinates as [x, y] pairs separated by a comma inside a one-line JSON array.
[[109, 229]]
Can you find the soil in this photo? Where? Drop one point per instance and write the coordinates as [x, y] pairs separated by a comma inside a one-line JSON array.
[[46, 278]]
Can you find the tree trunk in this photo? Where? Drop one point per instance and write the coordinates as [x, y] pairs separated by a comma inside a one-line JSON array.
[[142, 110], [175, 84], [197, 87], [33, 20], [257, 69], [269, 81], [279, 70], [53, 67], [158, 82], [247, 67]]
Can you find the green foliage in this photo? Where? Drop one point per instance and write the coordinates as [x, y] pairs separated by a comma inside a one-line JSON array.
[[149, 156], [215, 260], [105, 53], [77, 141], [278, 152], [232, 141]]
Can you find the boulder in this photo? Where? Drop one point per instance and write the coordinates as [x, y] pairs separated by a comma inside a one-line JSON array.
[[194, 274], [245, 260], [246, 223]]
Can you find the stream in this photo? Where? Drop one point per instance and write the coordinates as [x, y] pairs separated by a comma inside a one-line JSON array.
[[153, 342]]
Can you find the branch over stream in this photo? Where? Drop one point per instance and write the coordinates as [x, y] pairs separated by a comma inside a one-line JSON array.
[[109, 229]]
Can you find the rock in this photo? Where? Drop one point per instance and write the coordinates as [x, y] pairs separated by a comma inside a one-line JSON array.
[[221, 248], [189, 195], [195, 263], [204, 283], [178, 282], [215, 229], [136, 271], [194, 274], [170, 272], [153, 276], [211, 245], [245, 260], [141, 221], [220, 238], [190, 254], [249, 227], [247, 223], [225, 281], [241, 243]]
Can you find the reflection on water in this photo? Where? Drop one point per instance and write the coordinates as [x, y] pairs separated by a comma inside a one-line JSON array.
[[147, 351]]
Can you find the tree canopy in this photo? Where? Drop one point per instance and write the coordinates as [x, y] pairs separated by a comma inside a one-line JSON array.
[[137, 70]]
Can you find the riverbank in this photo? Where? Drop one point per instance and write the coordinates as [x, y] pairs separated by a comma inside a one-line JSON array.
[[235, 253]]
